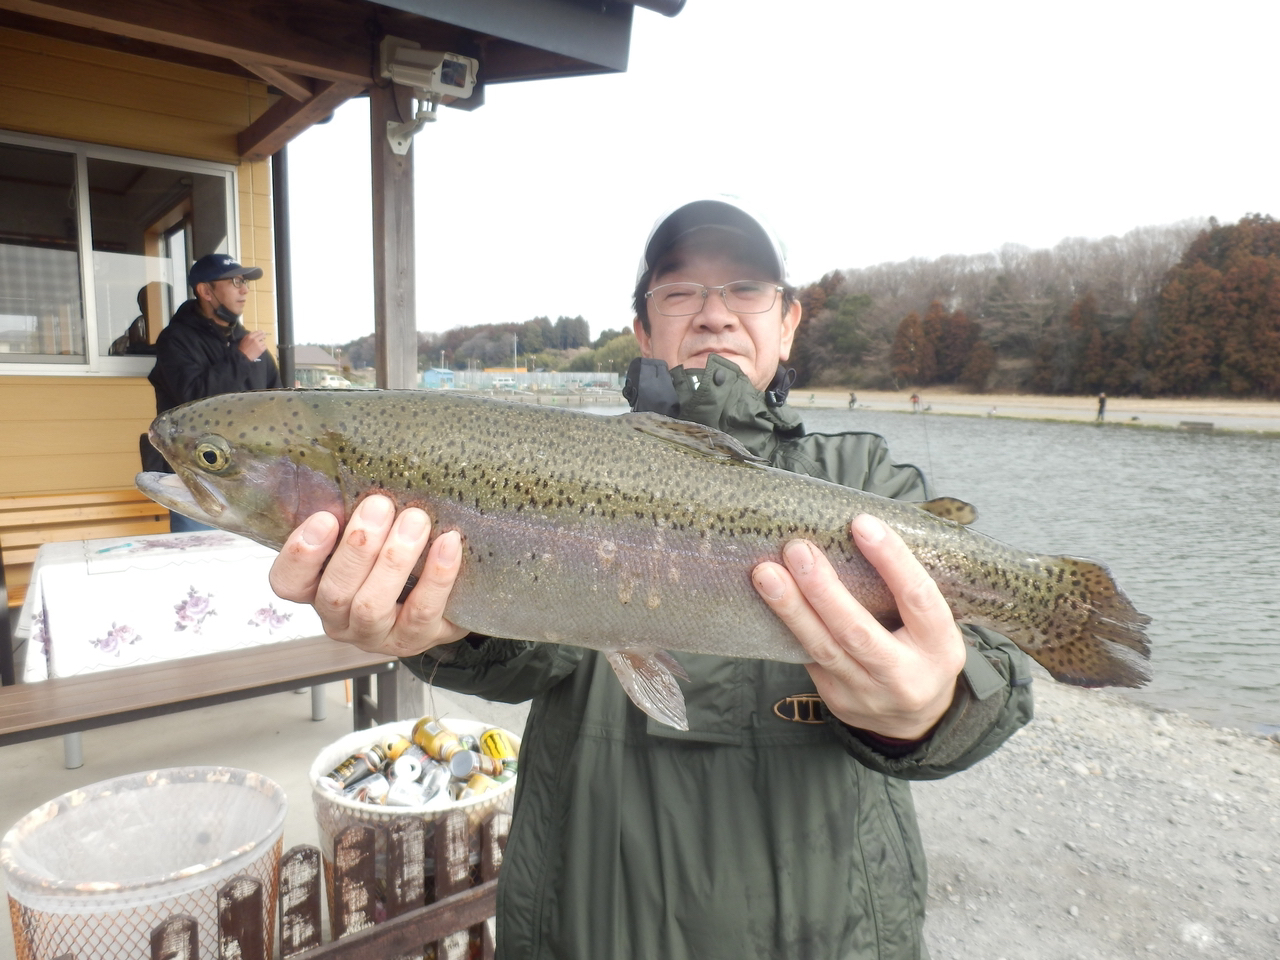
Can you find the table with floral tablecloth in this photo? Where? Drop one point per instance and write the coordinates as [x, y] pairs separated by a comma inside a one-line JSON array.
[[103, 604]]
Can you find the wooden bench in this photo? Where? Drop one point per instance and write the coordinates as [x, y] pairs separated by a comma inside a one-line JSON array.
[[69, 705], [26, 523]]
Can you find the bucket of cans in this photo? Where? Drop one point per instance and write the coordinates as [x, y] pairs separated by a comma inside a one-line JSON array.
[[412, 769]]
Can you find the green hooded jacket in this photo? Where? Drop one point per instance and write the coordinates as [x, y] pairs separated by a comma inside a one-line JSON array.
[[768, 829]]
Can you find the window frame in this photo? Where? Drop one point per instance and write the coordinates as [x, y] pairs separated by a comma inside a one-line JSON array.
[[96, 363]]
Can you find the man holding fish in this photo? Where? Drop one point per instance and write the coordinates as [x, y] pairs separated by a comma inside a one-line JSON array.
[[780, 822]]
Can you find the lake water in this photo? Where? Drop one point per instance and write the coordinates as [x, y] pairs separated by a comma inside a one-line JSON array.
[[1188, 523]]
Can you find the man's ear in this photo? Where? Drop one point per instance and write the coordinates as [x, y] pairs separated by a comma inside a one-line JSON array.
[[646, 344], [790, 324]]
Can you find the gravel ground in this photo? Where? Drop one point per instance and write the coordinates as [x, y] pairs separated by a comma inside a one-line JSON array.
[[1103, 831]]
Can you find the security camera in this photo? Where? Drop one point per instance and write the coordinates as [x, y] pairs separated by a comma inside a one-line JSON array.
[[433, 73]]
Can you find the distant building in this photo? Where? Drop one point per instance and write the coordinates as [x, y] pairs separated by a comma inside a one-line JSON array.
[[312, 364], [437, 378]]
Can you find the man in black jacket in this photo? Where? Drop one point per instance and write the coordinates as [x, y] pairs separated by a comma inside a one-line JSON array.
[[205, 350]]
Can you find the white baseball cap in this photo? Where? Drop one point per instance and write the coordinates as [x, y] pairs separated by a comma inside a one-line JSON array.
[[714, 211]]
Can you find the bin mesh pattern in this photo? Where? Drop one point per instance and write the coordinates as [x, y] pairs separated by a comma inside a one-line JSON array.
[[126, 934]]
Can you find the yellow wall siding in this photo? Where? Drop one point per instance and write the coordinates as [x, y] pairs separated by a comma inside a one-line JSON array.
[[71, 434], [62, 89]]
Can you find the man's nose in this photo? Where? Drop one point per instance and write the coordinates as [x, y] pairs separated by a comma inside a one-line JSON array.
[[715, 312]]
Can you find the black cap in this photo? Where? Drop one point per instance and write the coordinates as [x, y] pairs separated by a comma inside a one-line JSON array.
[[219, 266]]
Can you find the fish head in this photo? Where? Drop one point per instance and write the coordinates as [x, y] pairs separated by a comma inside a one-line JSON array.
[[248, 463]]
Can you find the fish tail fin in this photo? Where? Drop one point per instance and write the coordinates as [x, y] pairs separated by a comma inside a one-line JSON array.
[[1094, 636]]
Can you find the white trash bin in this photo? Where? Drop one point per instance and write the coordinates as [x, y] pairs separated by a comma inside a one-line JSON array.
[[94, 871]]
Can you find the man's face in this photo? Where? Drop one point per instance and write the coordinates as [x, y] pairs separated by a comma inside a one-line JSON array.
[[755, 342], [229, 295]]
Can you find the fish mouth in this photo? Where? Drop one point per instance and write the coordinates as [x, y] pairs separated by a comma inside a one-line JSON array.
[[185, 495]]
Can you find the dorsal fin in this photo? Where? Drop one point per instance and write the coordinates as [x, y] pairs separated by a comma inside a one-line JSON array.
[[699, 439], [949, 508]]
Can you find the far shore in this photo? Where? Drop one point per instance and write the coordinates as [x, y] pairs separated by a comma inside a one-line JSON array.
[[1193, 413]]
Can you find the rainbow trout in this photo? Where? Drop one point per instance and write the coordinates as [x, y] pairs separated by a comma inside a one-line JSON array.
[[632, 534]]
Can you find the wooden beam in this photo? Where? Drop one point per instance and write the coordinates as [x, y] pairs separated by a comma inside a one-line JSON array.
[[290, 84], [286, 118], [394, 302], [327, 39]]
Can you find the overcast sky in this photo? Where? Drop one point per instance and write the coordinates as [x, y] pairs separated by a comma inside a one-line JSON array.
[[867, 131]]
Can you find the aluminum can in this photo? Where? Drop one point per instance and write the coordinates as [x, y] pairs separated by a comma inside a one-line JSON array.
[[394, 747], [372, 790], [407, 768], [495, 743], [476, 785], [406, 793], [437, 740], [466, 762], [435, 778], [358, 766]]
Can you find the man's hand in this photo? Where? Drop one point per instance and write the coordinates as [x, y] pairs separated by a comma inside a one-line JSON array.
[[356, 594], [896, 684], [253, 344]]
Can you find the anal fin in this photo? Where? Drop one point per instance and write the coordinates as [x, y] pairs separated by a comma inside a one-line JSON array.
[[649, 678]]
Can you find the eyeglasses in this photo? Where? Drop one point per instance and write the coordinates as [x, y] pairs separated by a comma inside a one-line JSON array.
[[236, 282], [739, 296]]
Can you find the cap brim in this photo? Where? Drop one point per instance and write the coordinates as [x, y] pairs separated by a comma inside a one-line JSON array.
[[249, 273]]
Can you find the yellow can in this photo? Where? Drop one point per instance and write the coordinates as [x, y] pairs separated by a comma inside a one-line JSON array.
[[495, 743]]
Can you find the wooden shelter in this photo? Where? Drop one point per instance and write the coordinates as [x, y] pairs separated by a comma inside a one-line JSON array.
[[136, 135]]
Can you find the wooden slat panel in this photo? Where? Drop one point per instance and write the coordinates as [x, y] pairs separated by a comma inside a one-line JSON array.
[[68, 472], [299, 901], [14, 514], [117, 126], [71, 398], [241, 932], [86, 437], [325, 43], [101, 59], [23, 549], [132, 89], [353, 881], [39, 501]]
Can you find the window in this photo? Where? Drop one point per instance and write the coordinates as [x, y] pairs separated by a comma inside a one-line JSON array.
[[95, 244]]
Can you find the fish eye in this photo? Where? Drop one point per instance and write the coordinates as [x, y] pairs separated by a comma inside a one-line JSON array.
[[213, 454]]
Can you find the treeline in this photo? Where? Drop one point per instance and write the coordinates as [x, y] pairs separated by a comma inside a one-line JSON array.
[[1191, 308], [537, 344]]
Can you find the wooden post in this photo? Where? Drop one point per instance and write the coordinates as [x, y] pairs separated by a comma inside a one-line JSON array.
[[395, 322]]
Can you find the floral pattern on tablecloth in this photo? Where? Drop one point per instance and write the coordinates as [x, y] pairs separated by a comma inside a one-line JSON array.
[[194, 611], [271, 618], [118, 636]]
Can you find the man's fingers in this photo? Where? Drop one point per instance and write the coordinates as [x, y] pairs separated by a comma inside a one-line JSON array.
[[383, 563], [923, 609], [809, 598], [295, 573], [424, 607]]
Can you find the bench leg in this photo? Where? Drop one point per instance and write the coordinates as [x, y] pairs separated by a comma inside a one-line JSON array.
[[318, 703], [72, 751]]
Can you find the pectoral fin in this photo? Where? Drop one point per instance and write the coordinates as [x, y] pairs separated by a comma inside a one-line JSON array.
[[649, 677]]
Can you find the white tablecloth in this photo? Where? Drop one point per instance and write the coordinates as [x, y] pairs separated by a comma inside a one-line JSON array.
[[102, 604]]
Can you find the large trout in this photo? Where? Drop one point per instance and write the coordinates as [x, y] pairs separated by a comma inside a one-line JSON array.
[[632, 534]]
